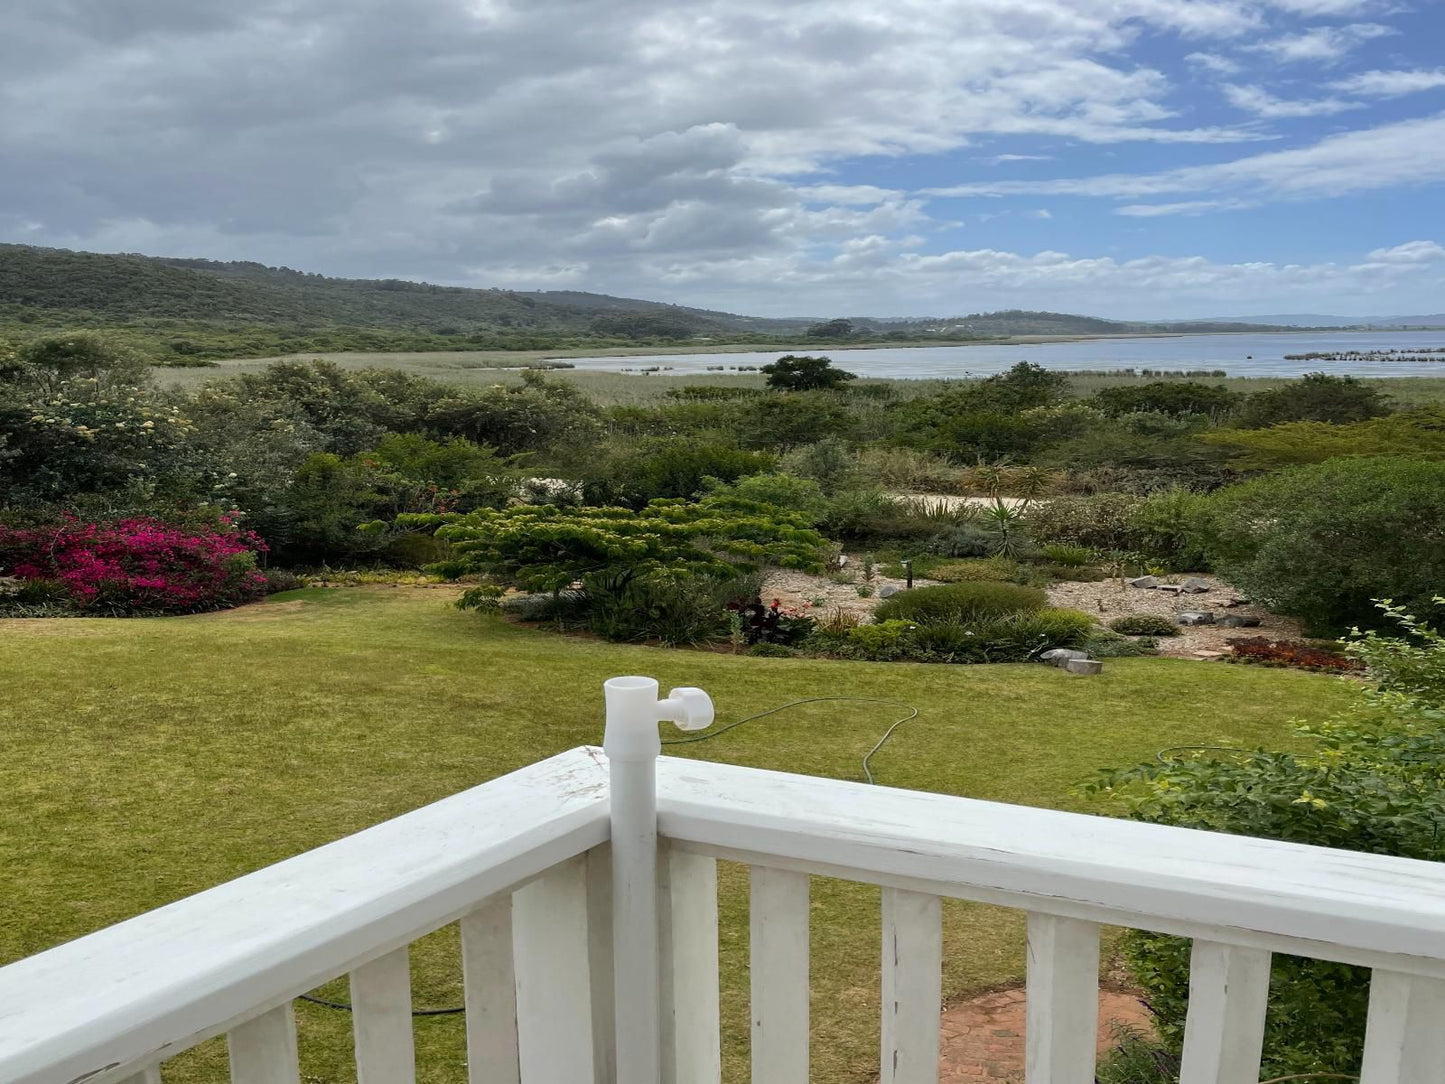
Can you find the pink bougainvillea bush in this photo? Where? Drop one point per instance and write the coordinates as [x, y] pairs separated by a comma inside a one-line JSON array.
[[132, 566]]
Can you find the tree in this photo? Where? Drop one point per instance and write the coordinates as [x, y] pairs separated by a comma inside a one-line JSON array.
[[799, 373], [1316, 398], [1322, 542], [831, 329], [53, 363]]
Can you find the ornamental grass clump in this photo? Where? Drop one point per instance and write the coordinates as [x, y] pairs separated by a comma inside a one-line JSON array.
[[132, 566], [957, 603]]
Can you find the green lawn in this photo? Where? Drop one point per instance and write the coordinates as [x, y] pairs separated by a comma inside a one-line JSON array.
[[144, 760]]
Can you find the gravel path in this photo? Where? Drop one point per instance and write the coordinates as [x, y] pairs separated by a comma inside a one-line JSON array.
[[1104, 600], [1109, 599]]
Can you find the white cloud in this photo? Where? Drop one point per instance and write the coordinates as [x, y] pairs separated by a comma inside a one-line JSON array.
[[1397, 155], [1042, 212], [1213, 62], [1321, 44], [1391, 84], [999, 159], [1187, 207], [1411, 252], [1325, 8], [1261, 103]]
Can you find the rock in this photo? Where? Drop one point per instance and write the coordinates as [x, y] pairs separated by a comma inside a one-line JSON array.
[[1239, 621], [1084, 666], [1060, 656], [1144, 581], [1195, 586], [888, 590], [1172, 588], [1209, 656], [1196, 617]]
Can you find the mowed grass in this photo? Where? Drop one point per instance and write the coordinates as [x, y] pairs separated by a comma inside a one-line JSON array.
[[145, 760]]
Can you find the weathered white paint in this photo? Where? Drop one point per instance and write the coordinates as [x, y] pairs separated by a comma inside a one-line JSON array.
[[172, 977], [147, 1076], [1405, 1033], [1062, 1013], [554, 984], [691, 1039], [778, 965], [490, 995], [381, 1020], [230, 960], [1312, 901], [912, 987], [1224, 1032], [599, 961], [263, 1050]]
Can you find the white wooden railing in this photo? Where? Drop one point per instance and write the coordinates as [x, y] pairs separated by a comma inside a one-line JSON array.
[[550, 871]]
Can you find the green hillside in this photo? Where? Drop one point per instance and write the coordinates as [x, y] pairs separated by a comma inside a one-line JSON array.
[[185, 311]]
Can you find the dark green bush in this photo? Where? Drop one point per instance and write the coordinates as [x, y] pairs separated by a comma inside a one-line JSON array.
[[1167, 397], [1144, 625], [669, 467], [1061, 553], [963, 540], [1104, 644], [1102, 521], [1321, 542], [1316, 398], [960, 602]]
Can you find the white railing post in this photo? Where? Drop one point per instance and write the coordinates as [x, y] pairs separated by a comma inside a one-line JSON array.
[[632, 746]]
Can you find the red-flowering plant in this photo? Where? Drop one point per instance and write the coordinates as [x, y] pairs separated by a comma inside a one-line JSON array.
[[134, 566]]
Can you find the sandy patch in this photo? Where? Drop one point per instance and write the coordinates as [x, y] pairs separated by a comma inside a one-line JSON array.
[[1109, 599]]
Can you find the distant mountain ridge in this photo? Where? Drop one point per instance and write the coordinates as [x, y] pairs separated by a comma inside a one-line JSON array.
[[1318, 320], [208, 308]]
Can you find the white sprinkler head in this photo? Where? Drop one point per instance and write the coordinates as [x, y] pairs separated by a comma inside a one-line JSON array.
[[692, 708]]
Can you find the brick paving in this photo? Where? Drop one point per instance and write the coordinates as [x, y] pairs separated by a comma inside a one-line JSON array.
[[983, 1037]]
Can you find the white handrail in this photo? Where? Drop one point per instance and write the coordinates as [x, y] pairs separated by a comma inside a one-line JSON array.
[[1366, 909], [153, 985]]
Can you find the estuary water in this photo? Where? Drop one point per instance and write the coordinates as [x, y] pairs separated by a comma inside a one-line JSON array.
[[1234, 354]]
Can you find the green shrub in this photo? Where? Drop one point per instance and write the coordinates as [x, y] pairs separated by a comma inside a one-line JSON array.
[[1165, 527], [969, 539], [1102, 521], [908, 470], [829, 462], [998, 569], [1321, 542], [1144, 625], [960, 602], [1369, 779], [1104, 644], [784, 491], [672, 606], [1071, 556], [1316, 398], [1166, 397], [884, 641], [771, 651], [1020, 636], [669, 467]]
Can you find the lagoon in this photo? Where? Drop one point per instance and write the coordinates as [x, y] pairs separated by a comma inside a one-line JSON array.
[[1235, 354]]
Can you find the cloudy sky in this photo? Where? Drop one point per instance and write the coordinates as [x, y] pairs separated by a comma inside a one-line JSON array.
[[1130, 158]]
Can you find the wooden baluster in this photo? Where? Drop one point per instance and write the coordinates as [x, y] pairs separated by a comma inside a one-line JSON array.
[[1224, 1031], [692, 1043], [1062, 1018], [554, 996], [263, 1050], [912, 987], [490, 993], [779, 966], [1405, 1032], [381, 1020]]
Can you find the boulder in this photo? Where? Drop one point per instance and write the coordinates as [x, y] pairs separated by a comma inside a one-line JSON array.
[[1084, 666], [1239, 621], [1171, 588], [1196, 617], [1195, 586], [1144, 581], [1059, 656], [888, 590]]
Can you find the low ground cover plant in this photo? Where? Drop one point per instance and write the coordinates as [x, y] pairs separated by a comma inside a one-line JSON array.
[[1144, 625]]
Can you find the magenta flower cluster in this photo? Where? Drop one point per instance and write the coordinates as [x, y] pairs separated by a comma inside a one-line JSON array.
[[138, 565]]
